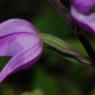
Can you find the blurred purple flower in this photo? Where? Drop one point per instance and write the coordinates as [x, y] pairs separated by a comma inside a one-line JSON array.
[[21, 40], [81, 11]]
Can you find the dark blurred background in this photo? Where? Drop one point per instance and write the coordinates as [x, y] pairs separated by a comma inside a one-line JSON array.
[[52, 75]]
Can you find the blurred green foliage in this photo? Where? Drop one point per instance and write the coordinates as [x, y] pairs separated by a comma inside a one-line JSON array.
[[35, 92]]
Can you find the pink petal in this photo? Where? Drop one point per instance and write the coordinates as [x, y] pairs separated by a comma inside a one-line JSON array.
[[16, 25]]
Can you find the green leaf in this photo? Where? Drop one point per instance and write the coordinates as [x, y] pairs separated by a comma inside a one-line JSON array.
[[63, 48]]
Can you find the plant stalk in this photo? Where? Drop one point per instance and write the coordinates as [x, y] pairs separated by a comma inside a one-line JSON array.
[[61, 9]]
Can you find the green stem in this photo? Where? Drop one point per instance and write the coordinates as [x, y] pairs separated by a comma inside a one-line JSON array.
[[58, 6]]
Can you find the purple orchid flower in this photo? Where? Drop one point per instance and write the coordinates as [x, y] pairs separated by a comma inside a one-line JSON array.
[[21, 40], [81, 11]]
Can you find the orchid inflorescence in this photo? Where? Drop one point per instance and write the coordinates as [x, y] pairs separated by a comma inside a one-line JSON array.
[[23, 42]]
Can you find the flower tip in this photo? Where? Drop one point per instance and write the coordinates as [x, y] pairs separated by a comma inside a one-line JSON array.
[[83, 6]]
